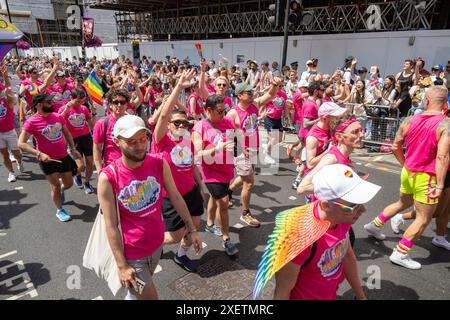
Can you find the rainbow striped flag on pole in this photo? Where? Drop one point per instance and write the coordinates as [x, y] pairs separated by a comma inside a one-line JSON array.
[[94, 88]]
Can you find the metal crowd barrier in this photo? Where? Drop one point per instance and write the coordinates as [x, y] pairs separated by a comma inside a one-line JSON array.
[[380, 123]]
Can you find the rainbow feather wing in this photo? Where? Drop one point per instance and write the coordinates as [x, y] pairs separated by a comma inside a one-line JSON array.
[[295, 230]]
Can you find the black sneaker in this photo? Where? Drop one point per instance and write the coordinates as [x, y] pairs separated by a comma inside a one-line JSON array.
[[186, 263], [230, 248]]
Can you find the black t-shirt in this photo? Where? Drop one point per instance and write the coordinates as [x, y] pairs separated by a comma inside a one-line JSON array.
[[406, 103]]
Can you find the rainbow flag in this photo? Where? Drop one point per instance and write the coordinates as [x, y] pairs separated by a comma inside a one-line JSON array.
[[94, 88]]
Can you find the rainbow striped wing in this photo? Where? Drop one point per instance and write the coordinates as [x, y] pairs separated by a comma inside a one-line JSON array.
[[295, 230]]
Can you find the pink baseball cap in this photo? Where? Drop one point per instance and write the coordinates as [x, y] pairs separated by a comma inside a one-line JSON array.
[[331, 109]]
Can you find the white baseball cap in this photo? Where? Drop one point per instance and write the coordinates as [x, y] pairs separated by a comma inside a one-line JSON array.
[[338, 181], [331, 109], [127, 126]]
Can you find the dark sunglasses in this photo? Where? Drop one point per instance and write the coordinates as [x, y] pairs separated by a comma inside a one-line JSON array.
[[221, 84], [221, 111], [119, 102], [178, 123]]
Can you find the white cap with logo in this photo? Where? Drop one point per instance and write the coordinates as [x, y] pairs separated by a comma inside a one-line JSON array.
[[338, 181], [127, 126]]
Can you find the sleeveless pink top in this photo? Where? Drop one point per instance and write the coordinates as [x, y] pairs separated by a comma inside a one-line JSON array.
[[421, 143]]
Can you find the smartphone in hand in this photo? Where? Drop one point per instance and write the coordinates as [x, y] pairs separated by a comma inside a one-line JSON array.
[[140, 284]]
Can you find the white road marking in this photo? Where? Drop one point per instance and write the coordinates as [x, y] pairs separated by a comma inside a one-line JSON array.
[[18, 188], [358, 163], [204, 245], [3, 234], [292, 198], [158, 268], [238, 226], [98, 298], [267, 210], [8, 254]]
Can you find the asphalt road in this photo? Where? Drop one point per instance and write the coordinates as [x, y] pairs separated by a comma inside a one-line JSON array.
[[41, 258]]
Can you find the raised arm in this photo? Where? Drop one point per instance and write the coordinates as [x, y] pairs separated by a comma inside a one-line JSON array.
[[273, 89]]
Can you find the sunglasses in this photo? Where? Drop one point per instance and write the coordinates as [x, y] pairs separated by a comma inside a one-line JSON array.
[[347, 208], [178, 123], [249, 93], [221, 84], [133, 142], [119, 102]]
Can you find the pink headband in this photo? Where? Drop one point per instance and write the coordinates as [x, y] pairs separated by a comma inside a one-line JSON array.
[[345, 125]]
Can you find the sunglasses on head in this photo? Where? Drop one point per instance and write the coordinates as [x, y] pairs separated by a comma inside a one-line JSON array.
[[344, 207], [178, 123]]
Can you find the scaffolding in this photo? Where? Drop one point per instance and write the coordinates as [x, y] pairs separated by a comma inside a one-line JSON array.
[[219, 19]]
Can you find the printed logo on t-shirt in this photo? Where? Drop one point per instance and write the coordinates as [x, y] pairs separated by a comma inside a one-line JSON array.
[[331, 259], [181, 156], [251, 123], [140, 195], [3, 110], [66, 95], [77, 120], [32, 89], [57, 96], [278, 102], [52, 132]]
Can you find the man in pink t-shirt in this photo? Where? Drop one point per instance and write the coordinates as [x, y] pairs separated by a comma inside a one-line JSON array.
[[105, 150], [316, 272], [134, 185], [213, 142], [52, 137], [8, 135], [61, 90], [79, 122]]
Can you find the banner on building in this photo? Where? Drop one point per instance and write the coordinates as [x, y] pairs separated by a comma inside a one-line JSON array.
[[9, 35]]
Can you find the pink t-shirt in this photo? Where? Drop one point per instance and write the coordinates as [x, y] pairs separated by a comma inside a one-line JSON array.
[[422, 144], [322, 136], [211, 89], [6, 116], [277, 105], [48, 134], [62, 94], [311, 112], [112, 151], [179, 156], [248, 120], [198, 104], [76, 119], [298, 111], [154, 94], [139, 195], [32, 90], [218, 168], [320, 278]]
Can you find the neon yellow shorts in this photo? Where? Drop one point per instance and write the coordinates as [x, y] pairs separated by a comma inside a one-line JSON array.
[[417, 184]]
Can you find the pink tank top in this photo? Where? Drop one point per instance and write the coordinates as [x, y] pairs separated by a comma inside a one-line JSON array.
[[248, 120], [421, 143], [341, 159]]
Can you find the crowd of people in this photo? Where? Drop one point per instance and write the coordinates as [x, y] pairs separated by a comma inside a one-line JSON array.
[[169, 131]]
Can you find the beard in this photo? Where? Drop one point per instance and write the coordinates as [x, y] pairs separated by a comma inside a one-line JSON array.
[[134, 156], [48, 109]]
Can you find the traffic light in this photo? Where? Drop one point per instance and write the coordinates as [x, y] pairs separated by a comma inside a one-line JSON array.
[[295, 12], [277, 13]]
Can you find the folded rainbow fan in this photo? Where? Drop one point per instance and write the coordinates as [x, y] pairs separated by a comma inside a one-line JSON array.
[[295, 230]]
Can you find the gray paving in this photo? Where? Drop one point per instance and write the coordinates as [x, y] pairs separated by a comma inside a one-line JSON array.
[[36, 247]]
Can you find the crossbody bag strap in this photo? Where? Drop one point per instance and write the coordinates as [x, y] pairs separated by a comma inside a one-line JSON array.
[[116, 180]]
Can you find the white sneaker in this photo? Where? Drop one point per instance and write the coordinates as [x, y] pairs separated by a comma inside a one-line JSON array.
[[375, 231], [20, 166], [269, 160], [11, 177], [396, 222], [404, 260], [441, 242], [12, 158]]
